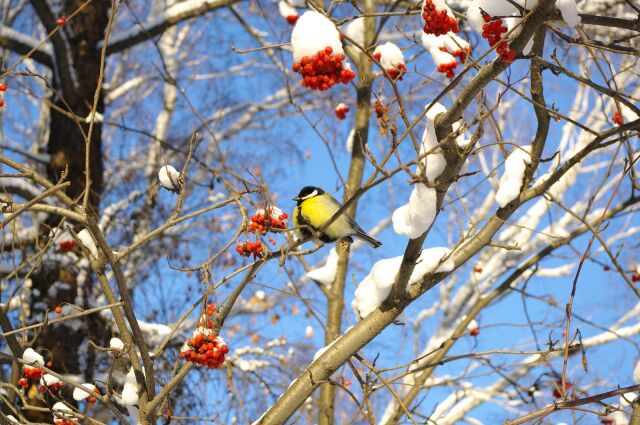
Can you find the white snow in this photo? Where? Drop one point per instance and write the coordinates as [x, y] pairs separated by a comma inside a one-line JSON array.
[[63, 410], [87, 240], [168, 177], [455, 44], [116, 344], [615, 418], [390, 55], [130, 395], [627, 398], [314, 32], [327, 273], [376, 286], [260, 295], [473, 325], [308, 332], [511, 181], [569, 11], [286, 9], [414, 218], [355, 31], [80, 394], [442, 58], [441, 5], [434, 162], [350, 138], [47, 380], [493, 8], [31, 357], [12, 419], [97, 117]]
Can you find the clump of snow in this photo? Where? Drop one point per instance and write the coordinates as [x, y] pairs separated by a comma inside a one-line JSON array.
[[116, 344], [376, 286], [314, 32], [434, 162], [87, 240], [12, 419], [308, 332], [30, 356], [414, 218], [492, 8], [355, 31], [473, 325], [350, 138], [287, 11], [569, 11], [391, 59], [627, 398], [444, 49], [260, 295], [48, 380], [168, 177], [80, 394], [511, 181], [61, 410], [130, 395], [327, 273]]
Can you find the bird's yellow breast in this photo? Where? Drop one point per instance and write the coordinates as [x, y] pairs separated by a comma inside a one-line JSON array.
[[316, 211]]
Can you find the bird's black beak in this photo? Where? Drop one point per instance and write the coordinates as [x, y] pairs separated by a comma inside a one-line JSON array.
[[297, 198]]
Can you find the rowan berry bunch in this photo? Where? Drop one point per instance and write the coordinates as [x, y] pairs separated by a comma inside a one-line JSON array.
[[68, 245], [395, 72], [64, 421], [323, 70], [437, 21], [617, 118], [341, 111], [492, 30], [31, 372], [246, 248], [447, 69], [53, 386], [267, 219]]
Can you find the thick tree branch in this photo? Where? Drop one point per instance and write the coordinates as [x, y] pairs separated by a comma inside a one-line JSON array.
[[25, 45]]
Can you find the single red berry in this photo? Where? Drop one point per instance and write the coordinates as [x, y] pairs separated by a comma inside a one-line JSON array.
[[3, 87], [474, 332], [61, 21], [1, 103], [617, 118], [58, 309]]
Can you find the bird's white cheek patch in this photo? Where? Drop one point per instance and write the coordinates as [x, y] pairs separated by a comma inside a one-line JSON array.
[[311, 195]]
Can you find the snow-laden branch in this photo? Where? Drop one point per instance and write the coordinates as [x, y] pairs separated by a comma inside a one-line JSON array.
[[157, 25], [22, 44]]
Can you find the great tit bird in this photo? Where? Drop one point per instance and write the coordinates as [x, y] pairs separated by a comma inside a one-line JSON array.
[[315, 208]]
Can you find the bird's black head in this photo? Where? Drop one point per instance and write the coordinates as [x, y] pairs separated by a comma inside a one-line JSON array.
[[308, 192]]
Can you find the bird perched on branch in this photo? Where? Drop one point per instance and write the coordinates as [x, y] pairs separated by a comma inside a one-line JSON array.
[[315, 208]]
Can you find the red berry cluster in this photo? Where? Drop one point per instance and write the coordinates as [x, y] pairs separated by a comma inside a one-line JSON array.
[[3, 87], [323, 70], [204, 348], [380, 109], [474, 332], [341, 111], [447, 69], [492, 30], [272, 215], [63, 421], [397, 72], [23, 382], [617, 118], [292, 19], [247, 248], [31, 372], [67, 245], [437, 22], [635, 277], [557, 386]]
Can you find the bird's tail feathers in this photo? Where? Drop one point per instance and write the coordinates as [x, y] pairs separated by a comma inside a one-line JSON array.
[[369, 240]]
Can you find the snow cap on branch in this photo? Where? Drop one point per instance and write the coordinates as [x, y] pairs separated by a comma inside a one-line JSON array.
[[415, 217], [327, 273], [391, 58], [376, 286], [511, 181], [434, 162], [32, 358], [168, 177], [355, 31], [87, 240], [80, 394]]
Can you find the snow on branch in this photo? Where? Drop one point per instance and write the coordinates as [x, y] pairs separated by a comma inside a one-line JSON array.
[[157, 25], [22, 44]]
